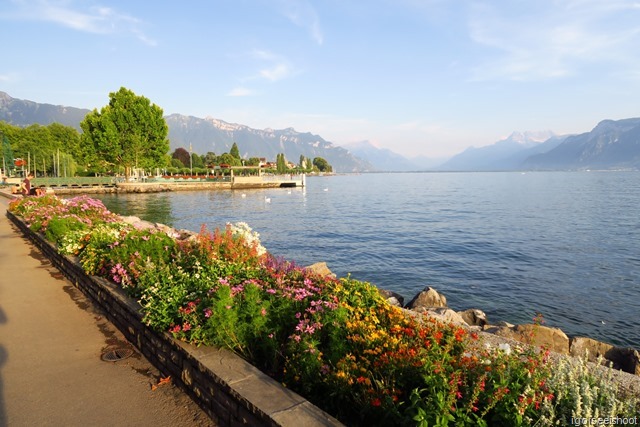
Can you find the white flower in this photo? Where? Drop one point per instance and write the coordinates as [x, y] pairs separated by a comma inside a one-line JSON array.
[[506, 348]]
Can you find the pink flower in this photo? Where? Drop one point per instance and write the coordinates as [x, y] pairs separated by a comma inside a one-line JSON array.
[[207, 312]]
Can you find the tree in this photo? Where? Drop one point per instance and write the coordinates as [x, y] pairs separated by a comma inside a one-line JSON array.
[[281, 163], [129, 132], [235, 152], [210, 159], [253, 161], [322, 164], [7, 155], [183, 155], [197, 160], [228, 159], [176, 163]]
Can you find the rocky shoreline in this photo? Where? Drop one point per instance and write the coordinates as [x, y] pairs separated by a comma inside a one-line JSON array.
[[432, 303]]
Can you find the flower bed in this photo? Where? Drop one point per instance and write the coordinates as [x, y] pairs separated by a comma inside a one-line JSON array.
[[335, 341]]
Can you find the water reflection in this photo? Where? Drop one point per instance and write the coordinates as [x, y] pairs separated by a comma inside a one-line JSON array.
[[154, 207]]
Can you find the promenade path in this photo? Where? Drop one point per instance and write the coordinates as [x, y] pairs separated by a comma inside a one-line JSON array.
[[51, 342]]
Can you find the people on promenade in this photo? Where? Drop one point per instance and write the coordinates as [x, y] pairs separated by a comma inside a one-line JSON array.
[[26, 185]]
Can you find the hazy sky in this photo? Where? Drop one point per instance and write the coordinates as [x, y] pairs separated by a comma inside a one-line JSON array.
[[420, 77]]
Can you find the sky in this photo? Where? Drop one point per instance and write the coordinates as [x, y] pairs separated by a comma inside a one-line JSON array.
[[419, 77]]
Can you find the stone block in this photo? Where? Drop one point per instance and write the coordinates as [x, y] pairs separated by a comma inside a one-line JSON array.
[[428, 297]]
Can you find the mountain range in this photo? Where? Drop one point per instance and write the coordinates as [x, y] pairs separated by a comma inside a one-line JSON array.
[[506, 154], [609, 145]]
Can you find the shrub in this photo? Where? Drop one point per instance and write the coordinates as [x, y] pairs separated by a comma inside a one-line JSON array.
[[583, 390], [58, 227]]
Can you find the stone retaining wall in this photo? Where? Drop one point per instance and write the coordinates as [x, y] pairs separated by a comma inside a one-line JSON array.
[[230, 390]]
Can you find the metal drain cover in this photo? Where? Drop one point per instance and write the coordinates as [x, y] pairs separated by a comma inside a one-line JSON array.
[[116, 354]]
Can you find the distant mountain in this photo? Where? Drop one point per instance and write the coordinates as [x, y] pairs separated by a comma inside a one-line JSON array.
[[218, 136], [19, 112], [382, 159], [506, 154], [203, 134], [610, 145]]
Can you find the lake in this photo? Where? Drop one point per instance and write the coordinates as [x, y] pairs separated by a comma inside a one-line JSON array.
[[513, 244]]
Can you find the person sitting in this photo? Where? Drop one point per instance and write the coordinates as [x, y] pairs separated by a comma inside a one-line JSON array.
[[26, 185]]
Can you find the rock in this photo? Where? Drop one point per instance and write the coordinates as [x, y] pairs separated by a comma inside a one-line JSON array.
[[130, 219], [443, 314], [429, 297], [390, 295], [186, 234], [394, 301], [321, 269], [507, 324], [624, 359], [543, 336], [474, 317]]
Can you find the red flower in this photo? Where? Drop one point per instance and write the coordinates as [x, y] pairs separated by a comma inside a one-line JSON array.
[[376, 402]]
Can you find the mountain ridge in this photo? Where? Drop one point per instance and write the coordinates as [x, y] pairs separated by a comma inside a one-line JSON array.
[[611, 144], [205, 134]]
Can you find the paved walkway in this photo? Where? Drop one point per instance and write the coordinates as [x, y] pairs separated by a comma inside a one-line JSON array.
[[51, 341]]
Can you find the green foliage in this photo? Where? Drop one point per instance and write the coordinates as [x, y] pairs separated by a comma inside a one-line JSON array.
[[197, 161], [210, 159], [235, 152], [583, 390], [176, 163], [43, 147], [94, 256], [129, 132], [322, 165], [58, 227], [281, 164], [130, 254]]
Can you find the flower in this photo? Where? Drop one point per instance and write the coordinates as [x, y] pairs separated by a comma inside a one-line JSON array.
[[505, 348]]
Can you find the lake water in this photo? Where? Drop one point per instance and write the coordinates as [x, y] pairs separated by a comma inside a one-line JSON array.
[[565, 244]]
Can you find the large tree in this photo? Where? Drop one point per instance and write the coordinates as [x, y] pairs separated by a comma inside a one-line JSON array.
[[129, 132]]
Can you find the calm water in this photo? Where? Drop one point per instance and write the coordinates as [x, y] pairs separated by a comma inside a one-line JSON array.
[[565, 244]]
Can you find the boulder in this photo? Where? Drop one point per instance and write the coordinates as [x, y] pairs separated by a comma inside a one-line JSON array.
[[474, 317], [429, 297], [392, 297], [443, 314], [624, 359], [394, 301], [321, 269], [543, 336]]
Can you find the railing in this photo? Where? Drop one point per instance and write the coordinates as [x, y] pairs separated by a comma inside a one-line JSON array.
[[76, 181], [187, 178]]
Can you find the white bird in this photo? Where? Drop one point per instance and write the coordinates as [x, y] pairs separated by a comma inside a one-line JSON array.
[[326, 189], [267, 199], [243, 195], [289, 192]]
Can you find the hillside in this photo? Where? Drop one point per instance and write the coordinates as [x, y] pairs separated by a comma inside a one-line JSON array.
[[203, 134], [218, 136], [610, 145]]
